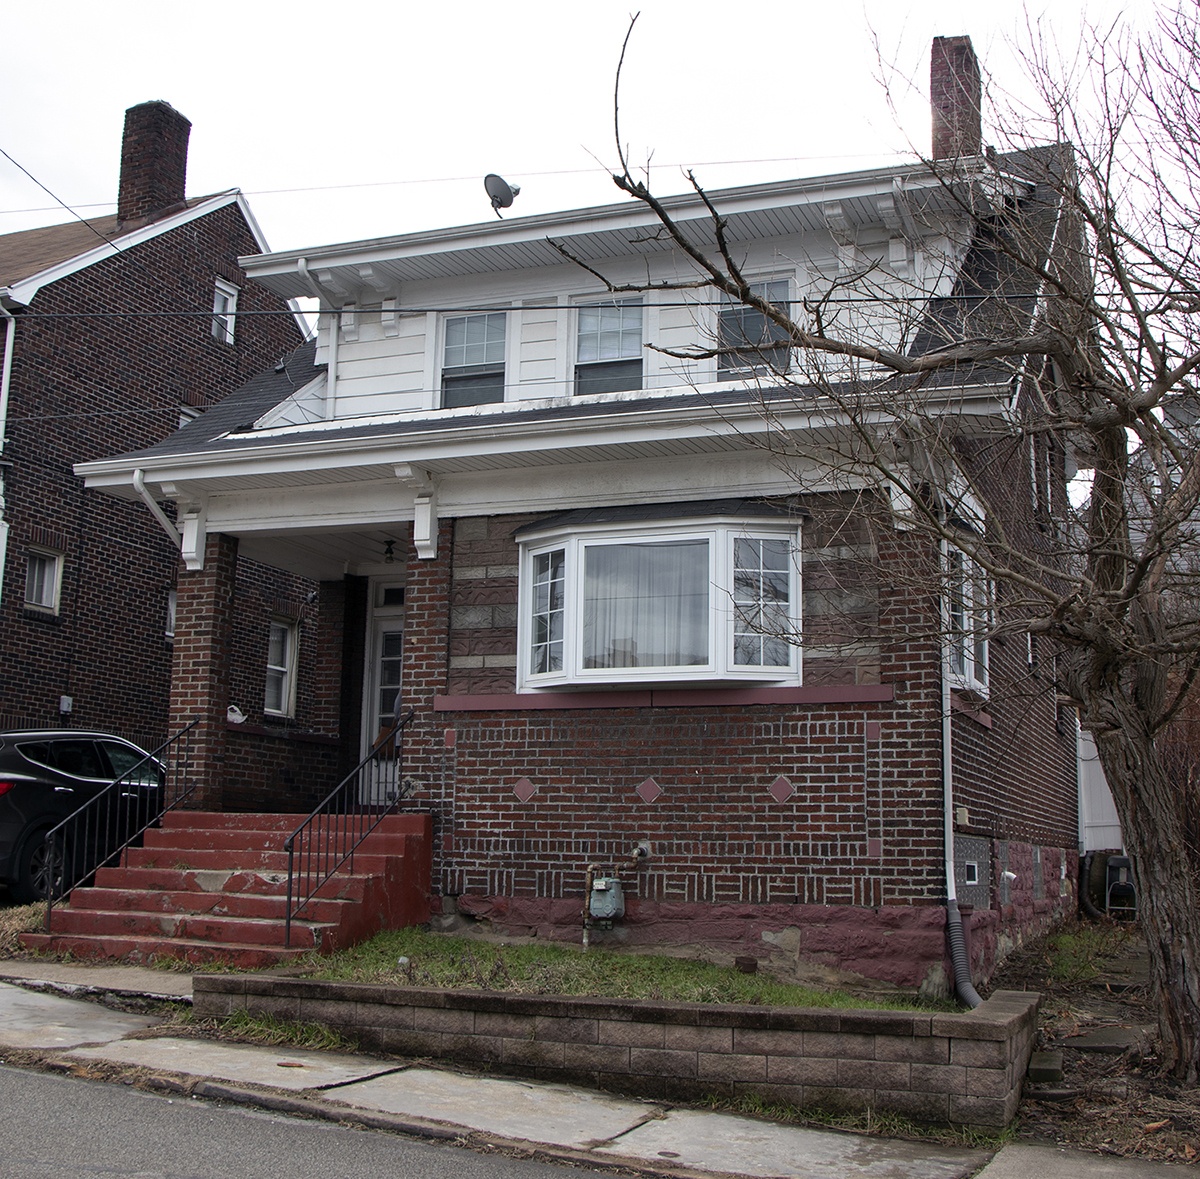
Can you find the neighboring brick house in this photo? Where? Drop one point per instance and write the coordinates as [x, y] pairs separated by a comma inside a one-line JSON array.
[[112, 332], [581, 560]]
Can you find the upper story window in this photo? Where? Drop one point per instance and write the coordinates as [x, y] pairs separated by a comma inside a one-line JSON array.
[[280, 696], [473, 359], [608, 353], [661, 603], [754, 339], [43, 580], [224, 315], [970, 597]]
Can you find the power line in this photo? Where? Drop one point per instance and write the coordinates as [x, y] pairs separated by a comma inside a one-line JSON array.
[[462, 179], [59, 200], [491, 308]]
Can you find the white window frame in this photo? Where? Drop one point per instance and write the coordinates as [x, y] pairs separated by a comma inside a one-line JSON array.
[[726, 370], [442, 366], [224, 312], [720, 534], [639, 355], [48, 584], [970, 602], [172, 613], [285, 670]]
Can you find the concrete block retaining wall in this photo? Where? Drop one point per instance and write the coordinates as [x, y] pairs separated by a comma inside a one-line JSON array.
[[960, 1068]]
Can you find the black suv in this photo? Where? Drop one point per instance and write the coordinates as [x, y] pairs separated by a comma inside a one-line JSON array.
[[46, 775]]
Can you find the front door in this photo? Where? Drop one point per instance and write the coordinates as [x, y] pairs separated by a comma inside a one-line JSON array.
[[382, 703]]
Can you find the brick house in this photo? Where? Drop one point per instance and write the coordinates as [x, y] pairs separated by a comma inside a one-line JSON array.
[[638, 631], [97, 357]]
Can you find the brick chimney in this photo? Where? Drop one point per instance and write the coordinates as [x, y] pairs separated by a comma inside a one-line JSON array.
[[153, 164], [955, 93]]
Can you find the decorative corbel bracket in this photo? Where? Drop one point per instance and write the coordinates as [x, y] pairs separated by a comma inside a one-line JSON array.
[[193, 525], [425, 513]]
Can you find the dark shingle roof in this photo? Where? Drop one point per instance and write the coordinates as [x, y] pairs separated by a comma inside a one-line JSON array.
[[30, 251]]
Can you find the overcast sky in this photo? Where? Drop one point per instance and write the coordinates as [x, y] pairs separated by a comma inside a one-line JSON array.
[[354, 120]]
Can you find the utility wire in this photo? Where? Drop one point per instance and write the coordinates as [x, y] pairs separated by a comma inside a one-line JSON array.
[[54, 196], [484, 309], [454, 179]]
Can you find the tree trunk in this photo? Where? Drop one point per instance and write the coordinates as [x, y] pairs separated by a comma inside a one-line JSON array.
[[1155, 810]]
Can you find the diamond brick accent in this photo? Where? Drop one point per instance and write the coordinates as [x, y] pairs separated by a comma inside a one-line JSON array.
[[781, 789], [649, 790], [524, 790]]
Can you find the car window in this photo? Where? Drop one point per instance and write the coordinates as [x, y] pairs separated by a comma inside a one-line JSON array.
[[80, 759], [37, 752], [123, 758]]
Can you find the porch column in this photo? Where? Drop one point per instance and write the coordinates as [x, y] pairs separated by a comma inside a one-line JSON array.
[[200, 664]]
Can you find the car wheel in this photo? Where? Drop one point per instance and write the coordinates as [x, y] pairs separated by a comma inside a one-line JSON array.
[[41, 868]]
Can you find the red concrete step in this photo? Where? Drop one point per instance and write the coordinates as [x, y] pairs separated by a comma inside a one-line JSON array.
[[220, 881], [213, 887], [147, 949], [267, 862], [217, 820], [215, 904], [228, 931]]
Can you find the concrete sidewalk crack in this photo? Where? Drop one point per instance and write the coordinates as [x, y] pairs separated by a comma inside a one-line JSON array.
[[657, 1114], [387, 1072]]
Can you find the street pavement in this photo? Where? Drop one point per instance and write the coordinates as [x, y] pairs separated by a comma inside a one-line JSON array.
[[44, 1020]]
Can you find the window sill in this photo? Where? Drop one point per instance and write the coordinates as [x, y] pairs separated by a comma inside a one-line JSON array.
[[969, 704], [666, 698]]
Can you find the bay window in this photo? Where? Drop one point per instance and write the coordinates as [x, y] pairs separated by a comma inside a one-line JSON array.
[[710, 601]]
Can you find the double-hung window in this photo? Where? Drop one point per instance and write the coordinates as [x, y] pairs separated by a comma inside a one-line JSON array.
[[750, 342], [608, 353], [43, 580], [280, 696], [473, 359], [224, 317], [710, 601], [969, 617]]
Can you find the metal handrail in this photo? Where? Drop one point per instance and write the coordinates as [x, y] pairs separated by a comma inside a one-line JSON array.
[[338, 824], [103, 828]]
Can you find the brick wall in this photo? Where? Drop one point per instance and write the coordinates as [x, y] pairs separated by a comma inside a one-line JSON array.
[[86, 383], [759, 816]]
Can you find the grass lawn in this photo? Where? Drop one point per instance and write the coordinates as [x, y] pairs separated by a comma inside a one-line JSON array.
[[412, 957]]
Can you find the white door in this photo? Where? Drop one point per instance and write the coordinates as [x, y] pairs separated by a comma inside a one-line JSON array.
[[383, 703]]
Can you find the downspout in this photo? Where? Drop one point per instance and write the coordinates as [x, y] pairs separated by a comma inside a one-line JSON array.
[[335, 334], [10, 344], [139, 485], [963, 987]]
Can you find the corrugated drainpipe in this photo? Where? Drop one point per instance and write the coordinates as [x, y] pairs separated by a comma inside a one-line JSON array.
[[335, 335], [10, 343], [963, 987]]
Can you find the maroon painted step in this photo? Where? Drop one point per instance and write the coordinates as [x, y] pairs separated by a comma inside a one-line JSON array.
[[210, 887]]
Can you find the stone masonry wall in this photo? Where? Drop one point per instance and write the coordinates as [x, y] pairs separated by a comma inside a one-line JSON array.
[[966, 1069]]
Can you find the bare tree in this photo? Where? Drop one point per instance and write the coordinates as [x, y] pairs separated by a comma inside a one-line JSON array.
[[1087, 223]]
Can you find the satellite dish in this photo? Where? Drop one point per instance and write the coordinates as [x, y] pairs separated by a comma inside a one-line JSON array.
[[500, 191]]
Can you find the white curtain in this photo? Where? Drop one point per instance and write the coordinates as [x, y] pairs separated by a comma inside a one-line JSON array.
[[646, 605]]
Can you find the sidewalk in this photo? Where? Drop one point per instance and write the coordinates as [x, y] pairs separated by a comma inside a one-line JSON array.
[[549, 1120]]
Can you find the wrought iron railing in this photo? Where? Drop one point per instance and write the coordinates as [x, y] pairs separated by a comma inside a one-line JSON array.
[[99, 832], [337, 826]]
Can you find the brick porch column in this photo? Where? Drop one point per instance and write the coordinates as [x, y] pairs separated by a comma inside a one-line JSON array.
[[200, 664]]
